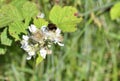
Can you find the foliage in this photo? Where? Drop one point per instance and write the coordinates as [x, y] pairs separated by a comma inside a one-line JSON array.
[[5, 39], [64, 18], [115, 11], [13, 17], [40, 22], [91, 53], [16, 18]]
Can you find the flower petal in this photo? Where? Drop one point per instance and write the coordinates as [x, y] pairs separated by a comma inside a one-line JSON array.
[[26, 47], [29, 57], [25, 37], [44, 29], [58, 31], [60, 44], [43, 52], [24, 43], [31, 53], [32, 28]]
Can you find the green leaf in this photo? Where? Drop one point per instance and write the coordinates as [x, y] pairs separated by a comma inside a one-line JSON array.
[[39, 22], [64, 18], [5, 40], [8, 14], [16, 29], [29, 10], [18, 3], [2, 50], [115, 11], [39, 59], [55, 14]]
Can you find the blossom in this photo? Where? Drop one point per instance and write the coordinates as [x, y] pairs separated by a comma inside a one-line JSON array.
[[43, 52], [27, 47], [58, 31], [32, 28], [30, 54], [54, 36], [28, 57], [44, 29], [40, 40], [24, 43], [58, 37], [25, 37]]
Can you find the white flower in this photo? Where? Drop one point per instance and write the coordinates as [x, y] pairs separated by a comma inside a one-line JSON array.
[[42, 15], [53, 36], [58, 31], [32, 28], [57, 40], [40, 40], [31, 53], [29, 57], [43, 52], [29, 50], [44, 29], [24, 43], [25, 46], [25, 37]]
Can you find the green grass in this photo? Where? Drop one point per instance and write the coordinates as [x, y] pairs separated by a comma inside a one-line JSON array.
[[91, 53]]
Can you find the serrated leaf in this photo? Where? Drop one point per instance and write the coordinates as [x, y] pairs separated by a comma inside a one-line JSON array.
[[16, 29], [115, 11], [18, 3], [29, 10], [55, 14], [5, 40], [39, 22], [8, 14], [64, 18], [2, 50], [39, 60]]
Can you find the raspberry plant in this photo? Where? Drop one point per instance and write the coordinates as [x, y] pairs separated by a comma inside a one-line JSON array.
[[16, 17]]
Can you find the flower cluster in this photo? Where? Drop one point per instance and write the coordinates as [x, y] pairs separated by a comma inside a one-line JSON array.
[[39, 41]]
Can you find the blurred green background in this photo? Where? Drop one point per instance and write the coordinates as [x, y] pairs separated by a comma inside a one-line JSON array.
[[92, 53]]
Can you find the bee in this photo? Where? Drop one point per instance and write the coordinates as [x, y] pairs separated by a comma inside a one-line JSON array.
[[52, 27]]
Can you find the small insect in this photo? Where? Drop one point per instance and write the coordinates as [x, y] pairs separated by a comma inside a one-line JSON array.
[[52, 27]]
